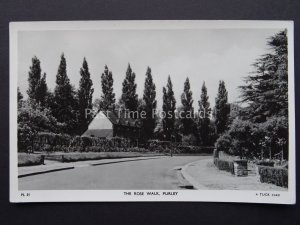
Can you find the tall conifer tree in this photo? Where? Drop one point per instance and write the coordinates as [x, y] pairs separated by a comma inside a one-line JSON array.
[[222, 108], [34, 77], [41, 91], [20, 97], [149, 104], [85, 95], [187, 110], [205, 111], [64, 98], [169, 107], [129, 96], [37, 89], [266, 89], [108, 97]]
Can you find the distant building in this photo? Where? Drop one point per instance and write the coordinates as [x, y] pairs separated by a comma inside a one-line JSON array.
[[109, 124]]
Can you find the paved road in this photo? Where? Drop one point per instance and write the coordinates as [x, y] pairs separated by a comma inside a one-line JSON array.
[[159, 173]]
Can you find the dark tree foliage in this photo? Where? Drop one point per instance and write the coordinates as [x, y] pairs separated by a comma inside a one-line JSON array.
[[33, 118], [169, 107], [64, 97], [204, 120], [108, 97], [41, 91], [20, 97], [149, 105], [49, 101], [187, 110], [34, 77], [85, 96], [261, 129], [204, 105], [256, 140], [222, 109], [37, 89], [274, 137], [129, 96], [266, 88]]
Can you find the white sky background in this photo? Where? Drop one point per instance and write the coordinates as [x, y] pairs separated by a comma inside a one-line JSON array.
[[202, 55]]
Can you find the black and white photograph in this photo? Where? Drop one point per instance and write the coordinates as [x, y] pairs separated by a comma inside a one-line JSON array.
[[152, 111]]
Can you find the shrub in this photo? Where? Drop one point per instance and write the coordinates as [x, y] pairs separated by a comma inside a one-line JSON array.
[[224, 143], [265, 163], [93, 149], [30, 159], [253, 140], [243, 141], [224, 165], [152, 144], [273, 175], [43, 138], [189, 139], [26, 137], [51, 142], [193, 149], [178, 147], [32, 118]]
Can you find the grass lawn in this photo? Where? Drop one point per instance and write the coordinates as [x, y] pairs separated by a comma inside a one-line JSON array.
[[74, 156]]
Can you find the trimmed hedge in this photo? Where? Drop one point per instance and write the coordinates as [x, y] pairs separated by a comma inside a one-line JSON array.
[[224, 165], [30, 159], [273, 175]]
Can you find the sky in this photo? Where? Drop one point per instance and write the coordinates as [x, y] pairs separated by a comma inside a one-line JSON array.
[[202, 55]]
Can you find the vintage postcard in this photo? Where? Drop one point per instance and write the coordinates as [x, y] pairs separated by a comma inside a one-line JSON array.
[[152, 111]]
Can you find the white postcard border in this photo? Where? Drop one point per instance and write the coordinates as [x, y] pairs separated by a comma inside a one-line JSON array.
[[288, 197]]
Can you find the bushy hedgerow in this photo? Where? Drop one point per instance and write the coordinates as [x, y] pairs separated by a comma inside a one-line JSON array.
[[193, 149], [52, 139], [156, 145], [265, 163], [224, 165], [273, 175], [189, 139], [32, 118], [50, 142], [30, 159], [177, 147]]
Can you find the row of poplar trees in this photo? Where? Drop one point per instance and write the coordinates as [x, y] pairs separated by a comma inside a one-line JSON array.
[[68, 105], [167, 127]]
